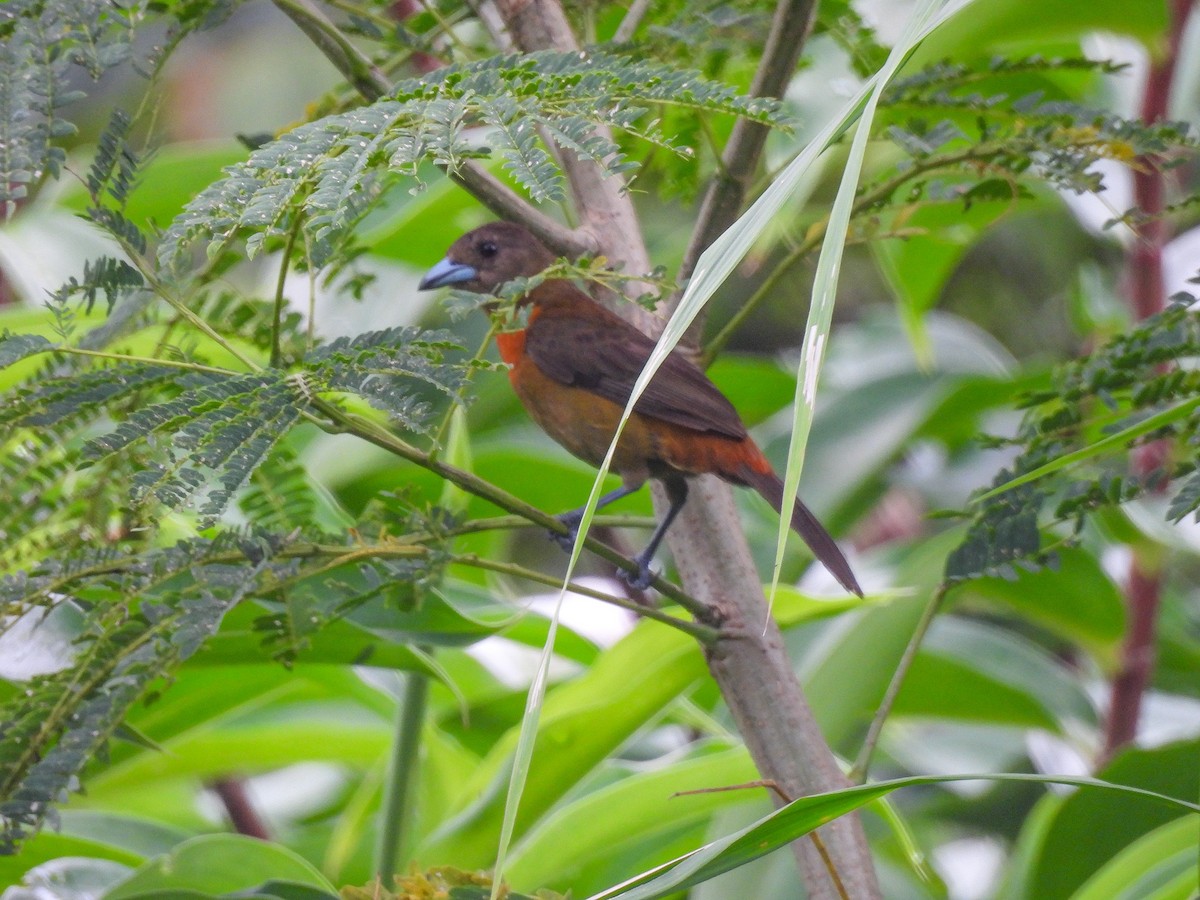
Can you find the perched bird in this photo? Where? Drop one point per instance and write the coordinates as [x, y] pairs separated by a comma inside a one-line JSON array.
[[573, 368]]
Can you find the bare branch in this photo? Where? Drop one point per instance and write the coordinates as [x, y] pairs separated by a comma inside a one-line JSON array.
[[633, 18], [727, 194], [506, 203], [366, 78]]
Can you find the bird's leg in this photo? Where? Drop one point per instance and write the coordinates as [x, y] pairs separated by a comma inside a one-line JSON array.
[[574, 517], [677, 492]]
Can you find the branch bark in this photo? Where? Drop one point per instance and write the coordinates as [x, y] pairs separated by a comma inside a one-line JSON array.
[[243, 817], [726, 195]]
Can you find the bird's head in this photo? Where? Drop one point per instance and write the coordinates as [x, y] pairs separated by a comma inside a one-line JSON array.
[[490, 255]]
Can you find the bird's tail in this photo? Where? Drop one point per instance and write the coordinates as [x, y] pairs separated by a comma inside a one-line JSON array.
[[805, 524]]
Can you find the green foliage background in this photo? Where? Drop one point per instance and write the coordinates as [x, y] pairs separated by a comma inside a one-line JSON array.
[[239, 519]]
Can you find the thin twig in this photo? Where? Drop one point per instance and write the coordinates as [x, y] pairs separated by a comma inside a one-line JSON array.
[[726, 195], [244, 818], [372, 432], [863, 763], [838, 884], [633, 18], [277, 323], [396, 812], [146, 360], [507, 523], [704, 634]]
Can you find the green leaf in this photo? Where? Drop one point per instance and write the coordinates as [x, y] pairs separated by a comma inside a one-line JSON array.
[[638, 811], [220, 863], [846, 673], [1176, 413], [1074, 849], [1076, 599], [1001, 25], [48, 847], [972, 671], [219, 720], [15, 347], [1159, 865], [758, 388], [808, 813], [342, 642], [141, 623], [917, 267], [349, 156], [627, 686], [948, 688]]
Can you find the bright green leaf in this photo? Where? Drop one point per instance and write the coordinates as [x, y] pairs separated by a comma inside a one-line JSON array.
[[218, 863]]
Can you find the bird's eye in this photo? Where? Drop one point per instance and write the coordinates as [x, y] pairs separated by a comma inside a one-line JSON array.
[[488, 249]]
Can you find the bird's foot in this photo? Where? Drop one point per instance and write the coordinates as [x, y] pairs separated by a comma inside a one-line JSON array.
[[567, 541], [640, 580]]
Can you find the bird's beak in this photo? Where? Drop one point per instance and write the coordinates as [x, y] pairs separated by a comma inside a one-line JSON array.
[[447, 272]]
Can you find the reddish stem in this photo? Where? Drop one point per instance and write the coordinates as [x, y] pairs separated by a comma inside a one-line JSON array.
[[1147, 296], [242, 815], [421, 61]]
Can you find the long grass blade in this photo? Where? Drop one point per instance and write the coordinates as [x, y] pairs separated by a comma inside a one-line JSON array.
[[807, 814], [925, 19]]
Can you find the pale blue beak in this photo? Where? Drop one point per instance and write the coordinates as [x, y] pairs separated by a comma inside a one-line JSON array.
[[446, 272]]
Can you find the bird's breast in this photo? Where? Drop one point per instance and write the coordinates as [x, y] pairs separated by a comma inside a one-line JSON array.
[[511, 345], [583, 422]]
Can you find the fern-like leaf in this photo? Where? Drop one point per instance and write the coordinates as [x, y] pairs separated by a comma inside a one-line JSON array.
[[326, 173], [203, 433], [16, 347], [44, 45], [144, 618], [279, 496], [1133, 377]]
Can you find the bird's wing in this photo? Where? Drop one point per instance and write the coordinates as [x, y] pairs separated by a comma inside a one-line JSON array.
[[605, 356]]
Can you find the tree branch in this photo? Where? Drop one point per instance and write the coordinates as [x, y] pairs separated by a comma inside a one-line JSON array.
[[748, 660], [508, 204], [342, 422], [242, 815], [372, 84], [726, 194]]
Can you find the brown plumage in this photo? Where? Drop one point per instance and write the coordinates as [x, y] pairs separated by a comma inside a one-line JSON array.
[[573, 367]]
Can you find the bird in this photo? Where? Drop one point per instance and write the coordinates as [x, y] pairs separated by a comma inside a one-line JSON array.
[[573, 367]]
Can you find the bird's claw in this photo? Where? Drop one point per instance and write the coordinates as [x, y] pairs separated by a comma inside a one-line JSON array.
[[641, 581], [566, 541]]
